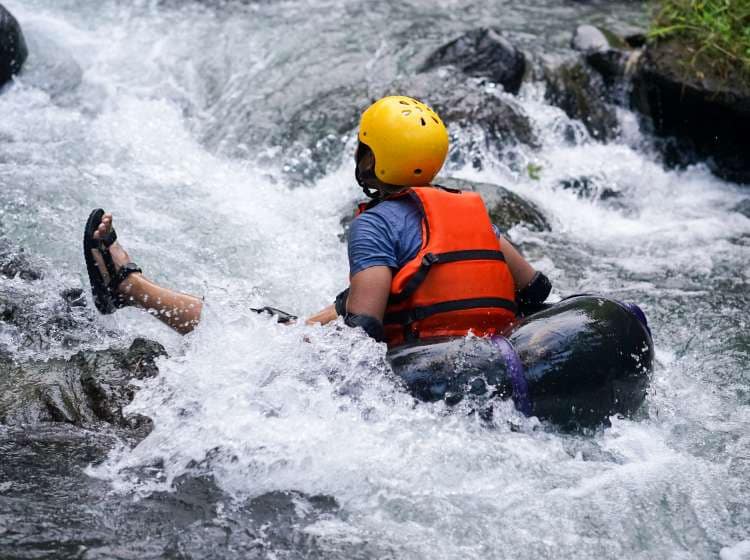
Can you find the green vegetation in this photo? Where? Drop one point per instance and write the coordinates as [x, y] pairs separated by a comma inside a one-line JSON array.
[[717, 32], [533, 170]]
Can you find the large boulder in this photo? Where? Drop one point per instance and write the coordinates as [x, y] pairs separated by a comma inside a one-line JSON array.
[[706, 115], [13, 50], [506, 208], [482, 52], [481, 119]]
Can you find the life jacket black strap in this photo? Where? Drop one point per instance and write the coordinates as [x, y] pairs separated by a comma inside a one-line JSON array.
[[443, 258], [448, 189], [408, 316]]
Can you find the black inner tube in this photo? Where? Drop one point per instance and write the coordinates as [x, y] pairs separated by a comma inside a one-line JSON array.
[[583, 360]]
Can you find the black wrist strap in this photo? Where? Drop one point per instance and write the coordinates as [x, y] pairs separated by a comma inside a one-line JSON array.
[[535, 292], [340, 303], [369, 324]]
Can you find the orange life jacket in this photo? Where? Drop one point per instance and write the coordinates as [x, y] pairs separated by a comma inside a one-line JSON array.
[[458, 282]]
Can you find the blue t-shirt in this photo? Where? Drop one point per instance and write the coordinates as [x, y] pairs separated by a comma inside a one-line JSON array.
[[390, 234]]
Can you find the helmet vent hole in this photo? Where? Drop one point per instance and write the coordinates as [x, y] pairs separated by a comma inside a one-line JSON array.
[[433, 118], [417, 171], [406, 112], [423, 123], [404, 102], [364, 133]]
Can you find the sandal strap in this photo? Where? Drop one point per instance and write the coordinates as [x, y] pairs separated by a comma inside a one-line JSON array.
[[110, 238], [119, 277], [109, 264]]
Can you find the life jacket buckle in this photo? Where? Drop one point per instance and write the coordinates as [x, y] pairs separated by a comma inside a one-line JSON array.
[[429, 259]]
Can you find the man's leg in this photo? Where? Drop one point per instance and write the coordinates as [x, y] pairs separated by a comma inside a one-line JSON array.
[[180, 311]]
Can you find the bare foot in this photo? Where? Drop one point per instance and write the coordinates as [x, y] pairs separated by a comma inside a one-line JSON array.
[[119, 256]]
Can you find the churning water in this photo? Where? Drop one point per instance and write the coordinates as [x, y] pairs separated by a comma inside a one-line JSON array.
[[177, 116]]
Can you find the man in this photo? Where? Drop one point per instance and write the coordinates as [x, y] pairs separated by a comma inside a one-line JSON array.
[[425, 262]]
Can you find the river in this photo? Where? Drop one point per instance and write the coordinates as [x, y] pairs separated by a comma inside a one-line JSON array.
[[180, 123]]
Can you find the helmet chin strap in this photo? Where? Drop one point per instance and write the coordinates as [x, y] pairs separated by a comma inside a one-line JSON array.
[[370, 192]]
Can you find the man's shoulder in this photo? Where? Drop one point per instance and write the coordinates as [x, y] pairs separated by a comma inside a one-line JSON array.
[[388, 218]]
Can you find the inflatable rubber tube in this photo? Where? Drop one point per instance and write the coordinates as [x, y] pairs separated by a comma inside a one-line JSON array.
[[574, 363]]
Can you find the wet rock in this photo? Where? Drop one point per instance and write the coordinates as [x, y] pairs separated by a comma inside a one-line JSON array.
[[589, 187], [482, 52], [588, 38], [63, 403], [52, 508], [74, 297], [636, 40], [7, 311], [705, 115], [36, 312], [14, 262], [604, 51], [33, 320], [13, 49], [106, 377], [503, 119], [583, 95], [505, 207], [42, 391], [89, 387], [480, 119]]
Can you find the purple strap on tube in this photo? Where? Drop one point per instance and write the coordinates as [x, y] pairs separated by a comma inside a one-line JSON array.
[[521, 397]]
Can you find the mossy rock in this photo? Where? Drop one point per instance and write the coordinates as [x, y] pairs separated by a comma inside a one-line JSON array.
[[703, 114]]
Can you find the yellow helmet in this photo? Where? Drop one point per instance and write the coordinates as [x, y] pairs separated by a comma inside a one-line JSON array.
[[408, 139]]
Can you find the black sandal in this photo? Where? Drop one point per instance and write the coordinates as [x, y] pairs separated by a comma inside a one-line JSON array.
[[106, 297]]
